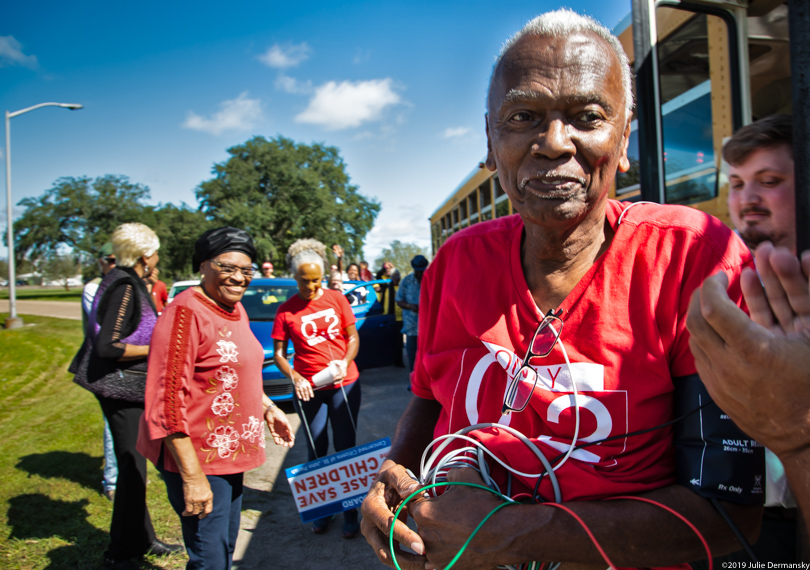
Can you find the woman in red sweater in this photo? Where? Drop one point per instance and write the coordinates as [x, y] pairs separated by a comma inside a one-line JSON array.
[[320, 324], [202, 426]]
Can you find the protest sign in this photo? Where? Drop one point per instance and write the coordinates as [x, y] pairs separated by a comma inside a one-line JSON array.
[[336, 482]]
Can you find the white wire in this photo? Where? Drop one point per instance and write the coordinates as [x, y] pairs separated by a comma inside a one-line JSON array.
[[480, 445], [621, 217], [427, 469]]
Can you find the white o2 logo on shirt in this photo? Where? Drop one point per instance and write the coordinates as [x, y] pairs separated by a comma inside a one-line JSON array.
[[589, 378], [321, 326]]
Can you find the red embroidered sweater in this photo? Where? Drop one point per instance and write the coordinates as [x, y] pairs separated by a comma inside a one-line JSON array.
[[205, 380]]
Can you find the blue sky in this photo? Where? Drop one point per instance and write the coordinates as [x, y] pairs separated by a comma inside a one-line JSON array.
[[167, 87]]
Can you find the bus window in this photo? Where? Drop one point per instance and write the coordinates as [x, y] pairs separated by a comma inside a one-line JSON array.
[[462, 206], [473, 198], [769, 57], [501, 199], [629, 182], [690, 166], [486, 200]]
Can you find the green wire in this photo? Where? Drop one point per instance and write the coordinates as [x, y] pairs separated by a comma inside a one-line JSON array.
[[474, 532]]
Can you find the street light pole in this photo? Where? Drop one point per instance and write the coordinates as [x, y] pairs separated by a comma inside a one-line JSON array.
[[13, 321]]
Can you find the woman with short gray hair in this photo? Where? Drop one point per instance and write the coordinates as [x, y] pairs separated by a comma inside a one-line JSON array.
[[321, 326], [112, 365]]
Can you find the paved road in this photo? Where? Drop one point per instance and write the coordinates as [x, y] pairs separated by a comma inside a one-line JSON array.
[[272, 534], [58, 309]]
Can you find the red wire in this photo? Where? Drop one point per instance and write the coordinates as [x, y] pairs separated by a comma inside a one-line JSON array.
[[677, 514], [587, 530], [643, 500]]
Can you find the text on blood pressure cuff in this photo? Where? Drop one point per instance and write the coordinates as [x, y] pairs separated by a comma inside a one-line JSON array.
[[713, 457]]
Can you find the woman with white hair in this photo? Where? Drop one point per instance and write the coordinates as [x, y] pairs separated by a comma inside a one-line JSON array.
[[112, 365], [320, 324]]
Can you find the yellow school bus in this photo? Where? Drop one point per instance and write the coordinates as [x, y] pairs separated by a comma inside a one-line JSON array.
[[708, 68]]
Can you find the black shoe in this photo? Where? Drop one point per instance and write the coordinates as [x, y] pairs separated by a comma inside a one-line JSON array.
[[160, 548], [111, 564]]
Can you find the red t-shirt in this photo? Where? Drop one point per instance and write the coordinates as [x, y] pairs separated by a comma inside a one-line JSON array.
[[317, 330], [205, 380], [624, 332]]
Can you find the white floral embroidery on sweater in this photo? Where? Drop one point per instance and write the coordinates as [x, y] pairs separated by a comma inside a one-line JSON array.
[[227, 351]]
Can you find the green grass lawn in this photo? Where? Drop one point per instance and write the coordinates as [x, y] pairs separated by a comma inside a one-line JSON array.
[[52, 512], [43, 294]]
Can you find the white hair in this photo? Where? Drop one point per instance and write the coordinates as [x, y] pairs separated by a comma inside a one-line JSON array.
[[565, 22], [306, 251], [132, 241]]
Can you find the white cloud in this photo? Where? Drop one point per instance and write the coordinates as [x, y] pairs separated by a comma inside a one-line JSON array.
[[280, 57], [405, 223], [349, 104], [238, 114], [456, 132], [11, 54], [291, 85]]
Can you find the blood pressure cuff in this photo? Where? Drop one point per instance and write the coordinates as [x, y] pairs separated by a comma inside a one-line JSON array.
[[713, 457]]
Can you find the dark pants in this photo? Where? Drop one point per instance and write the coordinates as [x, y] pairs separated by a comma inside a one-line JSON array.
[[328, 404], [131, 531], [398, 346], [410, 349], [210, 542]]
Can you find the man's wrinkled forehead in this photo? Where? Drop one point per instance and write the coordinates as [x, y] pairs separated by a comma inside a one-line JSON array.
[[582, 53]]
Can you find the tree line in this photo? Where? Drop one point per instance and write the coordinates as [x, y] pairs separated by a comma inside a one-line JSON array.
[[276, 189]]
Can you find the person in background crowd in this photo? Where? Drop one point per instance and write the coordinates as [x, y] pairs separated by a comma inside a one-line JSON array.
[[761, 198], [321, 326], [365, 272], [388, 295], [157, 289], [582, 307], [106, 261], [338, 253], [336, 281], [355, 295], [757, 369], [112, 364], [202, 425], [761, 203], [267, 270], [408, 300]]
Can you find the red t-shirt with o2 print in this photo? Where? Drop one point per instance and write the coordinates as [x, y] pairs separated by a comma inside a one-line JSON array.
[[317, 330], [624, 335]]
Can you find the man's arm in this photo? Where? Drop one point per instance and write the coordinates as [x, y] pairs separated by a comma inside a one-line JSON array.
[[632, 533], [408, 306]]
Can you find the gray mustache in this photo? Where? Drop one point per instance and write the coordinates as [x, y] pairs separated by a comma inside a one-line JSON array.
[[550, 174]]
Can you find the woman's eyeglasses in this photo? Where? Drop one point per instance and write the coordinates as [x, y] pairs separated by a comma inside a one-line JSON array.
[[228, 270], [522, 386]]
